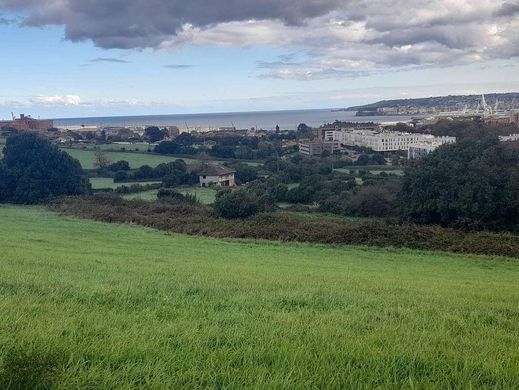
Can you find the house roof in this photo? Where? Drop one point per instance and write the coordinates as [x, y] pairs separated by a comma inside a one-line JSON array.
[[214, 170]]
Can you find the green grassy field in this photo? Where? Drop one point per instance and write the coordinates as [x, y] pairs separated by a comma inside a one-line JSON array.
[[205, 195], [135, 159], [92, 305], [108, 182]]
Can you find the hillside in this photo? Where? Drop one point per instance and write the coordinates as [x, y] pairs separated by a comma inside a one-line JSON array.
[[440, 101], [88, 304]]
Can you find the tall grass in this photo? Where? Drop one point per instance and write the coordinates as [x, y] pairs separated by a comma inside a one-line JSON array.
[[91, 305]]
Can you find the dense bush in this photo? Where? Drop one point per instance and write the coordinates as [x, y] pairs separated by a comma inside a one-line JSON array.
[[121, 165], [172, 195], [245, 173], [240, 203], [470, 184], [173, 147], [378, 200], [32, 170], [134, 188]]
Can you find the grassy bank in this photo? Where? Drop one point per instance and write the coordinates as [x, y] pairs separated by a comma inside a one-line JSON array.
[[92, 305]]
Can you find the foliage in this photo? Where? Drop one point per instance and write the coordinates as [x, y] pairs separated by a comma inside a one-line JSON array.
[[174, 147], [377, 200], [121, 165], [154, 134], [471, 184], [245, 173], [101, 161], [465, 129], [32, 170], [172, 195], [240, 203]]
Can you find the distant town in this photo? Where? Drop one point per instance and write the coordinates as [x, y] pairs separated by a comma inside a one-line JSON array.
[[337, 138]]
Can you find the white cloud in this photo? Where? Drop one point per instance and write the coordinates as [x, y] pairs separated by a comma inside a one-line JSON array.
[[66, 100]]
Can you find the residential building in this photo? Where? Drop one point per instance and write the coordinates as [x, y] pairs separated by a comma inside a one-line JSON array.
[[316, 148], [216, 176], [381, 141], [426, 146]]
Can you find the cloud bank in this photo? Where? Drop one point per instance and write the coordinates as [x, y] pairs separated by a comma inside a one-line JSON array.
[[337, 38]]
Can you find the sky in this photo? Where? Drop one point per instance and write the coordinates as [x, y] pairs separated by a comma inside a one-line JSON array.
[[77, 58]]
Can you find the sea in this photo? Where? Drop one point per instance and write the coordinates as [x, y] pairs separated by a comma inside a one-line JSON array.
[[266, 120]]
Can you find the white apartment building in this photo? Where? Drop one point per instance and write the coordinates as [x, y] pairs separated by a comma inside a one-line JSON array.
[[426, 146], [379, 141], [509, 138], [384, 141]]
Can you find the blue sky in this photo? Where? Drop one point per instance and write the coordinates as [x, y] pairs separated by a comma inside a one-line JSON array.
[[237, 65]]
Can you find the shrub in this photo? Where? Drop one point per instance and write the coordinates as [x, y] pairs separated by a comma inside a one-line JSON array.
[[172, 195], [239, 203], [119, 166]]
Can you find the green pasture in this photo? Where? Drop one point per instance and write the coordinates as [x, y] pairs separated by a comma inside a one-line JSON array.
[[93, 305]]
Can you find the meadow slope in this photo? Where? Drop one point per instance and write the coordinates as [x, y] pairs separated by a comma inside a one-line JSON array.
[[93, 305]]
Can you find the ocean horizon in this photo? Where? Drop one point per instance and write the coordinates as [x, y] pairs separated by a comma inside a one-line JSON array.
[[266, 120]]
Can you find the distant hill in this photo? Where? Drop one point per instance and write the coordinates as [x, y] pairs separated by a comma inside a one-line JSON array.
[[442, 102]]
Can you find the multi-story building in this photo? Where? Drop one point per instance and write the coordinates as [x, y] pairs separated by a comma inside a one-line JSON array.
[[26, 123], [378, 141], [426, 146], [384, 141], [317, 148], [216, 176]]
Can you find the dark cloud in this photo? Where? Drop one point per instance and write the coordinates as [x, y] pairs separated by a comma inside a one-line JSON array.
[[508, 9], [139, 24], [327, 38], [178, 66]]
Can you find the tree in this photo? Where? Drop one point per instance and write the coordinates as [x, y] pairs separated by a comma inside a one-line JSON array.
[[363, 159], [185, 139], [101, 161], [471, 184], [154, 134], [32, 170], [378, 159]]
